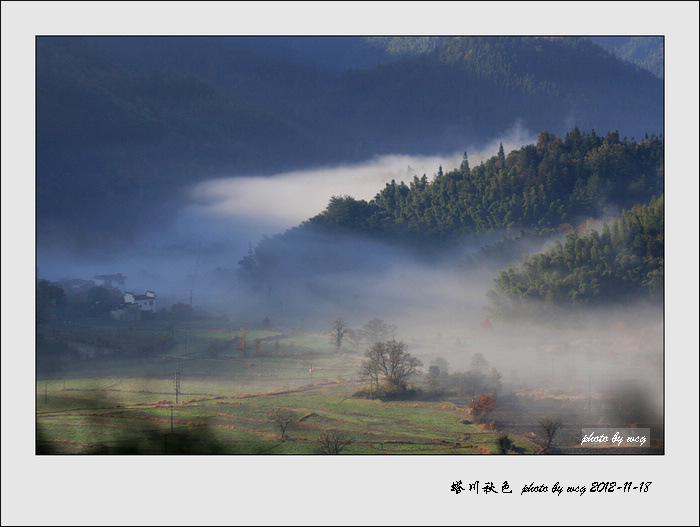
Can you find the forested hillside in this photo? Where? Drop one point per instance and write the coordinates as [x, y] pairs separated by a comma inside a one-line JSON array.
[[624, 259], [115, 143], [137, 119], [645, 51], [470, 87], [540, 187], [546, 189]]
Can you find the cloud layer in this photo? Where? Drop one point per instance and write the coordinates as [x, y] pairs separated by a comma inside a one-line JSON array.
[[284, 200]]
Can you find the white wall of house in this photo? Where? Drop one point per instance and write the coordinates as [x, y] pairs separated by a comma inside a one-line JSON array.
[[146, 302]]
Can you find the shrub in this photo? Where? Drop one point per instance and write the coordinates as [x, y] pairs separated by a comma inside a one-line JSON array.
[[504, 444], [389, 392]]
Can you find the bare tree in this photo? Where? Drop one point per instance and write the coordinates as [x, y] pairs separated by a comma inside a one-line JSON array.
[[356, 336], [371, 371], [339, 328], [376, 330], [333, 441], [390, 360], [549, 430], [392, 328], [282, 418]]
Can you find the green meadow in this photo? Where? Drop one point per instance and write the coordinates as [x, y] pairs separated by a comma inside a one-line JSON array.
[[117, 402]]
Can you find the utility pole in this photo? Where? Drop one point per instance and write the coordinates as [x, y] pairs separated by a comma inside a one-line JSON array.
[[171, 419], [177, 384]]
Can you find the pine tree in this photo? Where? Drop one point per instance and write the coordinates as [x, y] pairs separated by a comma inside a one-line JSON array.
[[502, 156], [464, 167]]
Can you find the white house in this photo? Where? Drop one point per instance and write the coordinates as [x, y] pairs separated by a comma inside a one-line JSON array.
[[135, 306], [147, 301]]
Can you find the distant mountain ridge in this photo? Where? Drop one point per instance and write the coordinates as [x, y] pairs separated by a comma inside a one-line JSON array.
[[645, 51], [135, 118]]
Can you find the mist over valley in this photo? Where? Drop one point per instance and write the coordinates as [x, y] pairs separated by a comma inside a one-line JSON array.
[[238, 228]]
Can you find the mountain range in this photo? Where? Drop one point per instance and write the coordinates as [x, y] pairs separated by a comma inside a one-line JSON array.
[[134, 120]]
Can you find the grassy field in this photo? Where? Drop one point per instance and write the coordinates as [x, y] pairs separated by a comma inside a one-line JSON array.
[[98, 416], [116, 402]]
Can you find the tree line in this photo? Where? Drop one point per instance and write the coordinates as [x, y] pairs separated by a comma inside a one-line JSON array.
[[623, 258], [540, 187]]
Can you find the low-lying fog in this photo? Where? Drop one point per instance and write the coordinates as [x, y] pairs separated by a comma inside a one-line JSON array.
[[218, 219], [438, 308]]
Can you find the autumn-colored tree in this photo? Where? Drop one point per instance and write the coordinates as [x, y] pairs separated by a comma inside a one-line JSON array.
[[483, 406], [243, 345]]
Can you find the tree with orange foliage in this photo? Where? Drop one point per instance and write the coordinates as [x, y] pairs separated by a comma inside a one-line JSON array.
[[243, 345], [484, 405]]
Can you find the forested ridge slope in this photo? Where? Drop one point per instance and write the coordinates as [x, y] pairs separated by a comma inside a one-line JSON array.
[[550, 189]]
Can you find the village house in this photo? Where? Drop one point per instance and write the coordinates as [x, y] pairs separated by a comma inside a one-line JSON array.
[[147, 302], [135, 306]]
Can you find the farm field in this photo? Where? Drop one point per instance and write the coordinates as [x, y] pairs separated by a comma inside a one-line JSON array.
[[128, 417], [212, 388], [111, 403]]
